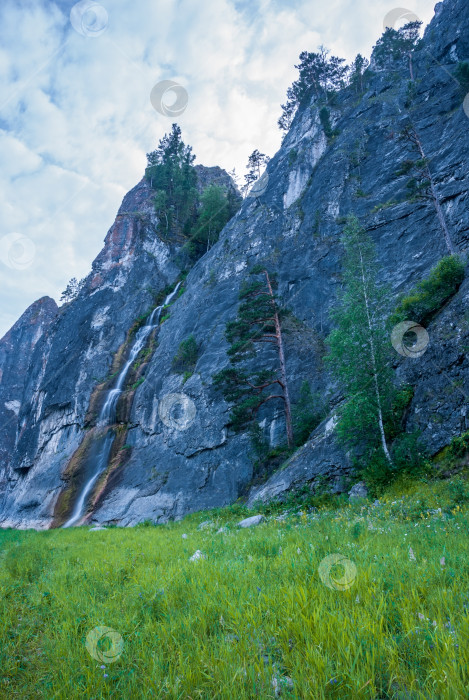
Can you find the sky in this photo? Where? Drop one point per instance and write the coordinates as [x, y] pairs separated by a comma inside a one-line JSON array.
[[79, 108]]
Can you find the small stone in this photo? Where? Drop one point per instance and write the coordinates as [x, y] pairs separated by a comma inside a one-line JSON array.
[[222, 530], [97, 528], [357, 492], [250, 522], [197, 555], [204, 525]]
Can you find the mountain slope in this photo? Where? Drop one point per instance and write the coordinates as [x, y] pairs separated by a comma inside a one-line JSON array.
[[160, 471]]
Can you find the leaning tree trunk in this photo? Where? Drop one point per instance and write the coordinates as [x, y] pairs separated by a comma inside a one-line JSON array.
[[283, 371], [434, 195]]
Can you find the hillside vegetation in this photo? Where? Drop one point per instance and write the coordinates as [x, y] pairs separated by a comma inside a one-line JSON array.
[[261, 612]]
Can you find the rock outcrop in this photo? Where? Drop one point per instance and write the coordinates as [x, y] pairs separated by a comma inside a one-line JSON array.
[[16, 349], [178, 454]]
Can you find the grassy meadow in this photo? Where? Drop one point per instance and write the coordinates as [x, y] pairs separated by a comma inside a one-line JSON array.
[[262, 613]]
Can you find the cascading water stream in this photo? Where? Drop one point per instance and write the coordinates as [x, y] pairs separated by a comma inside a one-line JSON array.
[[107, 417]]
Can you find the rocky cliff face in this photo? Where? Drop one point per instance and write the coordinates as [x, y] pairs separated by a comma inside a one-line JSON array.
[[173, 451], [16, 349]]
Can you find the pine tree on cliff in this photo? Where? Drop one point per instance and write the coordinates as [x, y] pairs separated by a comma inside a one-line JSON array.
[[359, 345], [394, 45], [320, 75], [256, 162], [422, 185], [258, 322], [171, 174]]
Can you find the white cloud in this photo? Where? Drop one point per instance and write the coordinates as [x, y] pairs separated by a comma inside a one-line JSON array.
[[76, 119]]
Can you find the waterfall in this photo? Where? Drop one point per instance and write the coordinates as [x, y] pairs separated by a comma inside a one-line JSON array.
[[102, 448]]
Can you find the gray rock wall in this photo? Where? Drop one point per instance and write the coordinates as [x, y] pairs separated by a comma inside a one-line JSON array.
[[294, 226]]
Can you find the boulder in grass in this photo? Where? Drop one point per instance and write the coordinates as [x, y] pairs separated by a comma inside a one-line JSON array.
[[97, 528], [204, 525], [358, 492], [197, 555], [250, 522]]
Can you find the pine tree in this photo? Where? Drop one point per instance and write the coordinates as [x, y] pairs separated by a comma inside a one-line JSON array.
[[394, 45], [171, 174], [72, 290], [213, 215], [258, 322], [320, 75], [357, 73], [422, 185], [359, 345], [256, 162]]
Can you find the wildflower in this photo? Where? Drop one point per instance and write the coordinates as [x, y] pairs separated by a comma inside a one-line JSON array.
[[259, 590], [102, 667], [411, 555], [298, 551], [105, 675], [442, 561]]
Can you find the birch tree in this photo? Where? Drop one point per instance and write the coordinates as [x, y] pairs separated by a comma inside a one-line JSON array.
[[359, 345]]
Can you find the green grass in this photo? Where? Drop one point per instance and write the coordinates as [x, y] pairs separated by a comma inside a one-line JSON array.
[[256, 609], [429, 295]]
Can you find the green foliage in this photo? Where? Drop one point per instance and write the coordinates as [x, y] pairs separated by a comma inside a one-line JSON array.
[[462, 75], [319, 75], [257, 603], [292, 156], [241, 383], [410, 460], [404, 168], [399, 404], [394, 45], [72, 290], [186, 357], [359, 192], [256, 162], [325, 119], [429, 295], [359, 348], [307, 413], [180, 208], [137, 383], [171, 174], [459, 446], [187, 375], [358, 74], [383, 205], [214, 213]]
